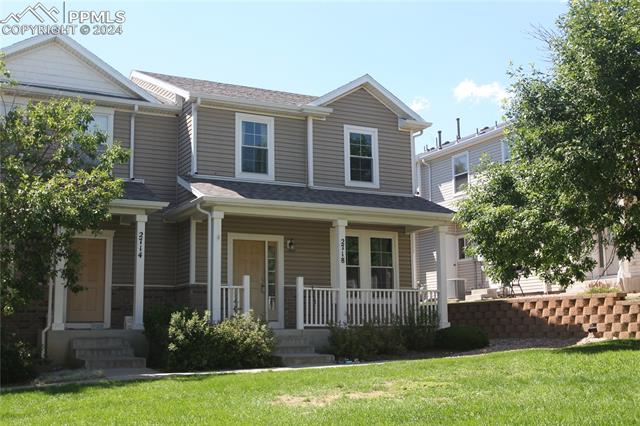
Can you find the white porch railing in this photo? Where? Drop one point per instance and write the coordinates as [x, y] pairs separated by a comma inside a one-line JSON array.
[[235, 299], [318, 306]]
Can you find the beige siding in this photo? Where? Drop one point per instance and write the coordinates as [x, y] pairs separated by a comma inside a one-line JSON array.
[[216, 145], [122, 134], [123, 252], [185, 129], [155, 159], [360, 108], [426, 267], [155, 162], [183, 251], [311, 258]]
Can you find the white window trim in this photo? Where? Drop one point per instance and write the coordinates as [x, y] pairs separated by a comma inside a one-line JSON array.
[[109, 112], [465, 258], [269, 121], [364, 248], [503, 145], [453, 173], [374, 152]]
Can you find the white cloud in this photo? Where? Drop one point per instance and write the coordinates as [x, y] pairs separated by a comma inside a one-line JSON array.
[[468, 89], [420, 103]]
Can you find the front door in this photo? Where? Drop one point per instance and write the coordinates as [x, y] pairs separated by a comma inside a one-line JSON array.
[[258, 260], [87, 306]]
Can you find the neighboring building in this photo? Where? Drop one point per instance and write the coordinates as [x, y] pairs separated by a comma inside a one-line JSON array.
[[301, 208], [443, 172]]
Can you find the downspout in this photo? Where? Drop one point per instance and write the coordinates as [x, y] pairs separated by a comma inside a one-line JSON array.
[[43, 337], [209, 257], [428, 166], [414, 184], [309, 151], [132, 142]]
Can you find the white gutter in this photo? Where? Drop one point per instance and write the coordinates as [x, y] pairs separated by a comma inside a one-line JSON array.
[[132, 142], [209, 254], [309, 151], [414, 184]]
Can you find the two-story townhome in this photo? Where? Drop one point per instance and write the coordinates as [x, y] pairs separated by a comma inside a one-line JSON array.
[[299, 208], [443, 173]]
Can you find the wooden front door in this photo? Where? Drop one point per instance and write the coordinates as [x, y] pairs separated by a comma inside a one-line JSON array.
[[87, 306], [249, 259]]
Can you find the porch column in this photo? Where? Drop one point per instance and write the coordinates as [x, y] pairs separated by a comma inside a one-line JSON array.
[[138, 285], [441, 243], [216, 264], [59, 299], [341, 268]]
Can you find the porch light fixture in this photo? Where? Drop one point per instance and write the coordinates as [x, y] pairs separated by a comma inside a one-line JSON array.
[[291, 245]]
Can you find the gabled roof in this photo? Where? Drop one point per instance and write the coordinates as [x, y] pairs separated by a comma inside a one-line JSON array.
[[83, 53], [202, 87], [383, 95]]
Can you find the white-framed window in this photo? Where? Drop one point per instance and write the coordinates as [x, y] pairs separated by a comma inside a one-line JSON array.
[[103, 122], [506, 151], [460, 170], [361, 167], [255, 156], [462, 245], [371, 259]]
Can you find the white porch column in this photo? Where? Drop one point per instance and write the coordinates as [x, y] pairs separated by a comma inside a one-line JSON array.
[[138, 285], [59, 299], [246, 296], [441, 242], [299, 303], [341, 268], [216, 264]]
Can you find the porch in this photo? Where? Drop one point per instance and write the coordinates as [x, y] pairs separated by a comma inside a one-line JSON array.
[[305, 258]]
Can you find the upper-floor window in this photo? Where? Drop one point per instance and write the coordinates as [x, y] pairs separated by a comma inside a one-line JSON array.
[[506, 151], [361, 156], [460, 166], [254, 146], [462, 245], [102, 122]]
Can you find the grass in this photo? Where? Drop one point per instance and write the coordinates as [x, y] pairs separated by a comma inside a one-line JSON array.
[[593, 384]]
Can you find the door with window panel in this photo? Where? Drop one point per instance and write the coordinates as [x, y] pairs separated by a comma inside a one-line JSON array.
[[381, 263]]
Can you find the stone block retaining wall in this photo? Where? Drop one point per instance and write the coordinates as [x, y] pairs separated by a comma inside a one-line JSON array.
[[561, 316]]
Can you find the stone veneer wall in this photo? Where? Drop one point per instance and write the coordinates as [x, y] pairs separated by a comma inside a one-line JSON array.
[[561, 316]]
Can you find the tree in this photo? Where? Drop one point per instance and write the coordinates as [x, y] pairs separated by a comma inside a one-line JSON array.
[[55, 181], [575, 136]]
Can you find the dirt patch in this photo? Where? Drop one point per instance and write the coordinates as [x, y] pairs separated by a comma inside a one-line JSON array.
[[324, 400]]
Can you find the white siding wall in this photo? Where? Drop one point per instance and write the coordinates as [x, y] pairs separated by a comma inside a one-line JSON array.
[[53, 65]]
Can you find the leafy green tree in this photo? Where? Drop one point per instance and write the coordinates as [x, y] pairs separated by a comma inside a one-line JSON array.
[[55, 181], [575, 137]]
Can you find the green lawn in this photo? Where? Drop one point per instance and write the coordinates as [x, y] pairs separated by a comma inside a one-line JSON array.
[[596, 384]]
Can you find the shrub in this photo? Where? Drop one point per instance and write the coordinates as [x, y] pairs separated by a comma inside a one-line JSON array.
[[244, 342], [239, 342], [598, 288], [156, 330], [16, 358], [461, 338], [419, 331], [191, 343]]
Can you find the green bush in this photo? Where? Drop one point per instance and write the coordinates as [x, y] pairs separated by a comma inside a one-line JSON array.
[[461, 338], [239, 342], [244, 342], [419, 331], [601, 289], [156, 330], [17, 361]]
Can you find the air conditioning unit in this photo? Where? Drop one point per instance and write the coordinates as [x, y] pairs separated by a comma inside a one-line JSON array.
[[456, 288]]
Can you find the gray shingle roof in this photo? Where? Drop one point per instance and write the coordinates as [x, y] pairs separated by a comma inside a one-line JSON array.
[[264, 191], [232, 90], [139, 191]]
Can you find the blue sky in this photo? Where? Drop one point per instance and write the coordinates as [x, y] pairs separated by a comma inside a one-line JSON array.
[[447, 59]]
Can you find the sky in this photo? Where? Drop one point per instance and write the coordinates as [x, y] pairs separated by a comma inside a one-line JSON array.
[[444, 59]]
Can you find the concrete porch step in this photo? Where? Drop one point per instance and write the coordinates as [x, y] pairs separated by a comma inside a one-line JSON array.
[[305, 359], [115, 362], [488, 291], [98, 343], [95, 353], [293, 349]]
